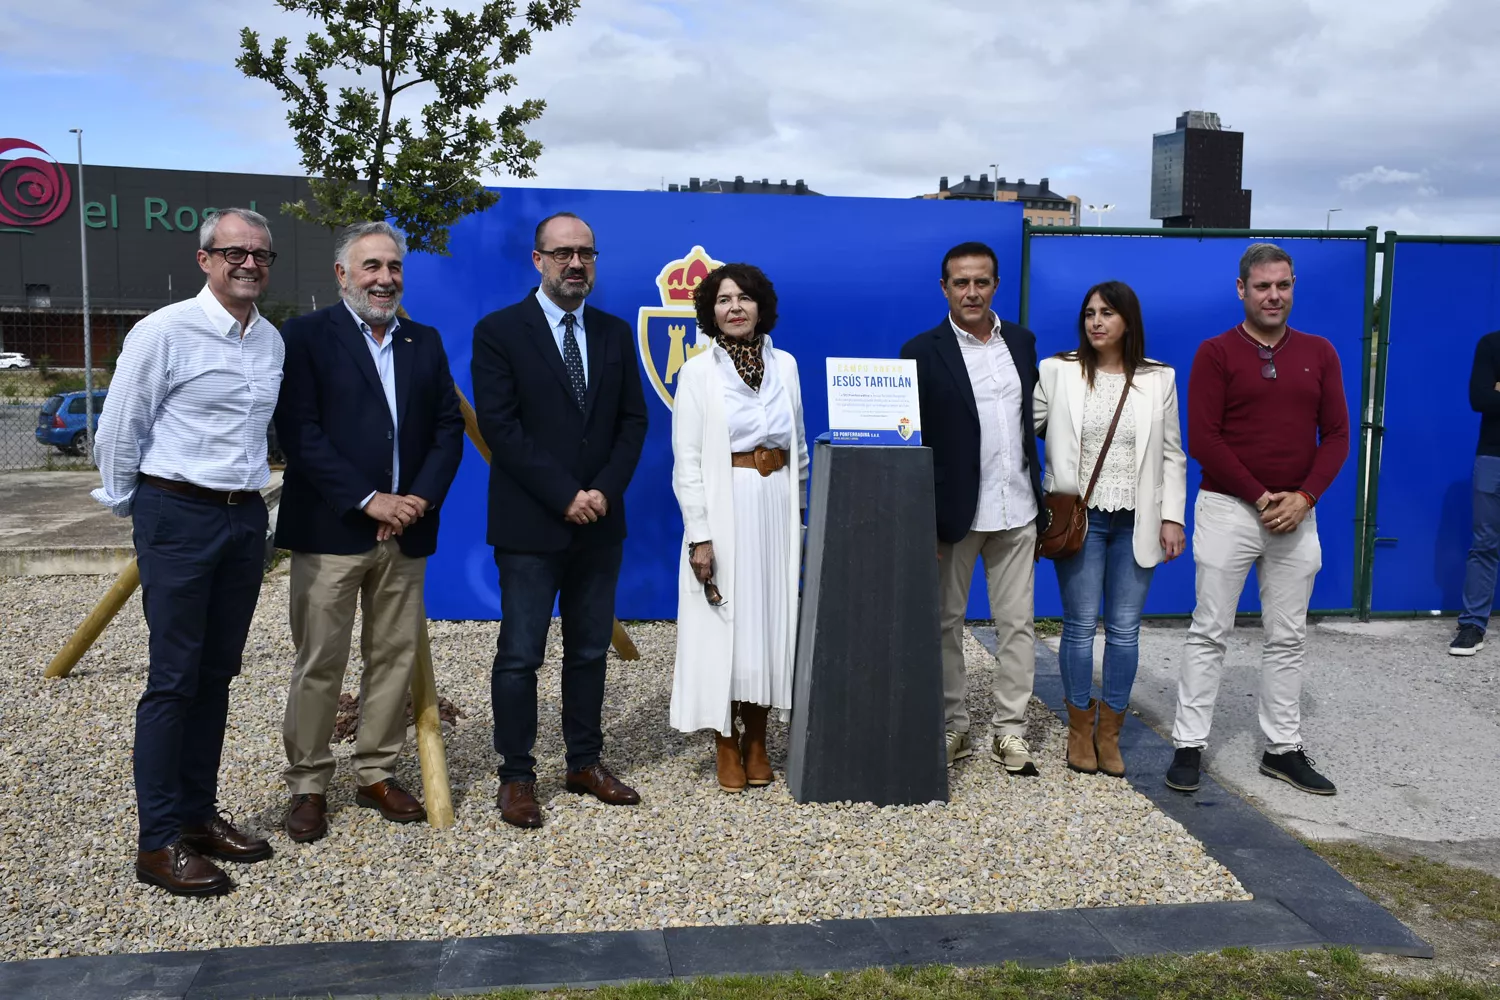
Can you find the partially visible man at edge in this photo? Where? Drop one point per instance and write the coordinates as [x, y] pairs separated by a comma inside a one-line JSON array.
[[181, 449]]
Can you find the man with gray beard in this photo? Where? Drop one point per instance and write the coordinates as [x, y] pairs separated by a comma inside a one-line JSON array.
[[372, 432]]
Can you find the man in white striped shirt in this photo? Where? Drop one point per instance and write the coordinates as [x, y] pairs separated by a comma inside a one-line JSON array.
[[181, 448]]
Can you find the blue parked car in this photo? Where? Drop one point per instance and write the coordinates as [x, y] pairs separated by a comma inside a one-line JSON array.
[[60, 423]]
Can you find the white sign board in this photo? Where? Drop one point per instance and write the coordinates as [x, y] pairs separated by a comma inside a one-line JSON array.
[[873, 401]]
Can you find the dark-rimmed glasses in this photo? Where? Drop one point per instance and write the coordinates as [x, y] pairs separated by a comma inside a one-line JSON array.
[[1267, 370], [238, 255], [564, 254], [711, 591]]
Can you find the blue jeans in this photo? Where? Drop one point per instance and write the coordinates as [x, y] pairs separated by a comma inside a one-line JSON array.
[[1484, 553], [1105, 568], [582, 582]]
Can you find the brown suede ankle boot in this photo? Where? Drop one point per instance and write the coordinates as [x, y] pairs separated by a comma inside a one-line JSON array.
[[731, 769], [1107, 741], [1081, 738], [757, 764]]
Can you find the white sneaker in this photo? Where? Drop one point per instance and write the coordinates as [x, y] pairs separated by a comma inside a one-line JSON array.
[[1012, 753], [958, 747]]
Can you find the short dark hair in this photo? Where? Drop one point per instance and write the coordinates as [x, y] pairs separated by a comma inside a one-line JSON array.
[[537, 239], [752, 281], [1263, 253], [972, 249]]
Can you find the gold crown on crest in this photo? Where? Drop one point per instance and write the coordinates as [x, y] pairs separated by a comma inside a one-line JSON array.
[[680, 278]]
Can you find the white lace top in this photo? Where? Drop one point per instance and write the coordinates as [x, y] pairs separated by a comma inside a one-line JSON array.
[[1116, 487]]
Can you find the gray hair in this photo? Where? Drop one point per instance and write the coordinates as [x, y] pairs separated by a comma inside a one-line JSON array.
[[1262, 253], [211, 223], [358, 231]]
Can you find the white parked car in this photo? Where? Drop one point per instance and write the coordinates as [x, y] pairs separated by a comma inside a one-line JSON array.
[[14, 359]]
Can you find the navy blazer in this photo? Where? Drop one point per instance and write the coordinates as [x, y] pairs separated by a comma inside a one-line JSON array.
[[544, 449], [334, 425], [950, 420]]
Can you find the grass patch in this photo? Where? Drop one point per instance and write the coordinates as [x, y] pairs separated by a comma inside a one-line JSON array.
[[1234, 974], [1047, 627], [1449, 892]]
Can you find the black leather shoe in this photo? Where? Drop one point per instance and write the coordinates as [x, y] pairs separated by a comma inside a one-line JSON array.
[[1183, 775], [1295, 767]]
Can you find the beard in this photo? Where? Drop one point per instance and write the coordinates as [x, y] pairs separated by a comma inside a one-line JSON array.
[[367, 309], [558, 289]]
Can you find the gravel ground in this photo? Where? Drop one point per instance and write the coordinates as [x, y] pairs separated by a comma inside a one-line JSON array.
[[689, 854]]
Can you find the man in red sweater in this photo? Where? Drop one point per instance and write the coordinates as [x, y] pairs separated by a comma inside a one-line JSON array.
[[1268, 423]]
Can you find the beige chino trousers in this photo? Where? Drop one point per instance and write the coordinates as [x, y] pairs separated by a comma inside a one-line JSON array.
[[387, 587], [1010, 577], [1228, 539]]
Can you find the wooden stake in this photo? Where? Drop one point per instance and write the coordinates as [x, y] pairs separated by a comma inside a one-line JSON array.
[[437, 794], [114, 599]]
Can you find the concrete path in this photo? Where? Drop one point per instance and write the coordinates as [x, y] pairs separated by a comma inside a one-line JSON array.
[[1410, 735], [50, 526]]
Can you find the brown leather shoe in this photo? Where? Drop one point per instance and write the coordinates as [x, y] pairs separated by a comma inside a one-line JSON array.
[[218, 839], [306, 817], [596, 780], [394, 802], [517, 802], [758, 771], [181, 871]]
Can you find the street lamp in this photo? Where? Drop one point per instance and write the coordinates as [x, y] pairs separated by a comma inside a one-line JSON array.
[[1328, 220], [1099, 211], [88, 341], [995, 173]]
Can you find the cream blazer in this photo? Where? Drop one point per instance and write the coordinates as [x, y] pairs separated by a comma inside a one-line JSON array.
[[701, 480], [1160, 465]]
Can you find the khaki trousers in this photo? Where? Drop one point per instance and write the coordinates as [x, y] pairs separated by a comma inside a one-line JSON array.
[[1228, 539], [1010, 576], [387, 586]]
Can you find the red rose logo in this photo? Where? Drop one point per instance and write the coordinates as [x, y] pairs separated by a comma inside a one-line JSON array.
[[33, 192]]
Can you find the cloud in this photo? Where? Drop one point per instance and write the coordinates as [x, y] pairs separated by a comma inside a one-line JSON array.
[[1382, 175]]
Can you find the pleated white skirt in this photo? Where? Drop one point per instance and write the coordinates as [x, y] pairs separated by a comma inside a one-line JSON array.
[[761, 668]]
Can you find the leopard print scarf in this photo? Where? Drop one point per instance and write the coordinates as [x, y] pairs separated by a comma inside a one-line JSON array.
[[745, 352]]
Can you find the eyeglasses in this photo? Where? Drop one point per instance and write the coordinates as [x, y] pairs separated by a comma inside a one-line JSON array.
[[1267, 370], [711, 591], [237, 255], [564, 254]]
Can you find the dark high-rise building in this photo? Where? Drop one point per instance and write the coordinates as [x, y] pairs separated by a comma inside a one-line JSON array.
[[1195, 175]]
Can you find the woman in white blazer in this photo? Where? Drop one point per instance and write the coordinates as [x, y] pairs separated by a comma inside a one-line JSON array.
[[1135, 511], [739, 468]]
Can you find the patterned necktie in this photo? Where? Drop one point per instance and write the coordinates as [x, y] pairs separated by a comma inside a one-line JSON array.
[[573, 360]]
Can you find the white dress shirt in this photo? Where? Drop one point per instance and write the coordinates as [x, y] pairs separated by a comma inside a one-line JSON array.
[[1005, 497], [554, 314], [383, 354], [190, 400], [756, 419]]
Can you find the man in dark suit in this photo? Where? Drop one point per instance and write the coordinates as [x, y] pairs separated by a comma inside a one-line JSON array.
[[559, 402], [976, 375], [373, 435]]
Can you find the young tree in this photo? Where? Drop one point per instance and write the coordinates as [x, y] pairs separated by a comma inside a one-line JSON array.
[[369, 160]]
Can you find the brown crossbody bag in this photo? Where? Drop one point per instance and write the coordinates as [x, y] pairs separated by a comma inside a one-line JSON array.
[[1067, 514]]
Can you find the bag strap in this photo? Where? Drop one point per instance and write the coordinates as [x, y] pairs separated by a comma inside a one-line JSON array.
[[1108, 439]]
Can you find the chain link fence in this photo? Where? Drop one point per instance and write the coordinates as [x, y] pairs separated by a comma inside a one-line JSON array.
[[43, 418]]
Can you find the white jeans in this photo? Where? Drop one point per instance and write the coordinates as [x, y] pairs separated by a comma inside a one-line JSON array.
[[1228, 539]]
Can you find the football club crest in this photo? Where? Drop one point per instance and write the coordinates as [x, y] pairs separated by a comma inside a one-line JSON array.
[[668, 333], [904, 428]]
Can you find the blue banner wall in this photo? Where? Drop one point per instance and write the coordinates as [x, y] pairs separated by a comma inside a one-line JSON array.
[[1187, 292], [855, 277], [1444, 297]]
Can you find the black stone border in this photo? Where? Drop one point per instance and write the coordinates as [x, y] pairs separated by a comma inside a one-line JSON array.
[[1300, 902]]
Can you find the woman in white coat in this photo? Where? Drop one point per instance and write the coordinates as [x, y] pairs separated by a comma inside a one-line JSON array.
[[739, 469], [1135, 510]]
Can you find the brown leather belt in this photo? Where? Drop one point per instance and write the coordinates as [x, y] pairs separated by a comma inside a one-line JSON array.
[[229, 498], [762, 460]]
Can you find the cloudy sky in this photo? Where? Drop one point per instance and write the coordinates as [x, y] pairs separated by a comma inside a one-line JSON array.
[[1385, 109]]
